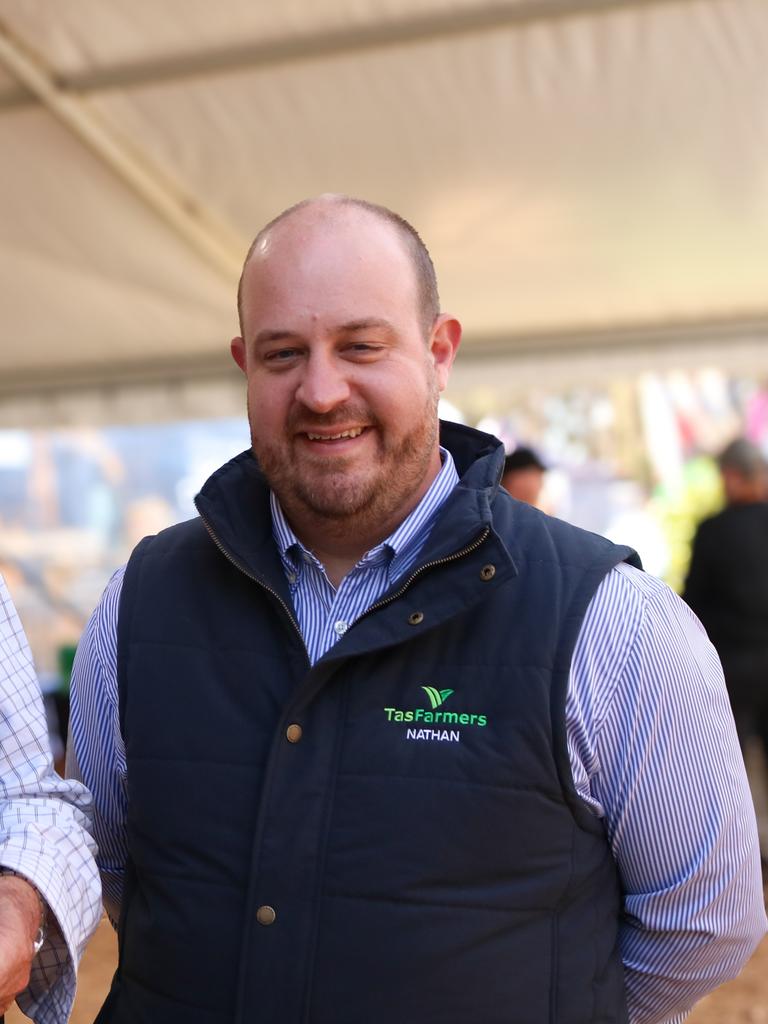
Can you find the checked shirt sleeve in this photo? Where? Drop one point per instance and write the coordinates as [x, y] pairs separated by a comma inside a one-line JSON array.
[[44, 823]]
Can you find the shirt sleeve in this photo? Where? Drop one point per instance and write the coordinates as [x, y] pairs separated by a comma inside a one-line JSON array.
[[95, 751], [44, 824], [654, 750]]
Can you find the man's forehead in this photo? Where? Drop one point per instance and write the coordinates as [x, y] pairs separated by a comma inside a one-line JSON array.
[[341, 260], [357, 251], [323, 221]]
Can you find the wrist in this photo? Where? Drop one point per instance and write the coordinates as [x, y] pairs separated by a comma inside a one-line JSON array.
[[37, 912]]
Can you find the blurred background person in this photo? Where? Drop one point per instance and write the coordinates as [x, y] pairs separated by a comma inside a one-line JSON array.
[[727, 585], [523, 475]]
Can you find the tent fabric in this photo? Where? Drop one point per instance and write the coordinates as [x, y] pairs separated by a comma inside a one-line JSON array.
[[578, 171]]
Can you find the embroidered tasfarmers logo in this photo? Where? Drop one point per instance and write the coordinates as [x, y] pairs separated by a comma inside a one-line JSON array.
[[437, 716]]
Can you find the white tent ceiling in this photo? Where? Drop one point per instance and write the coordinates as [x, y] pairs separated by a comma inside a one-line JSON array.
[[585, 173]]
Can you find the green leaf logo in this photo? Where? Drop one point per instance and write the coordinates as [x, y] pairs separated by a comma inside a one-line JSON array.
[[436, 697]]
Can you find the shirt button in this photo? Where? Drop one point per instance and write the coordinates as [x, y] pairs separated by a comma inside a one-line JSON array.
[[291, 578], [294, 733], [340, 627], [266, 915]]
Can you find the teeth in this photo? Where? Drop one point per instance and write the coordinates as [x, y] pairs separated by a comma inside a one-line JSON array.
[[335, 437]]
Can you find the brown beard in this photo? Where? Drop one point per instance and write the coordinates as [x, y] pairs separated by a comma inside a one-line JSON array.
[[341, 505]]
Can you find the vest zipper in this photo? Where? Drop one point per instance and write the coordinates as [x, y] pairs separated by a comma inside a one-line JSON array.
[[261, 583], [374, 607], [423, 568]]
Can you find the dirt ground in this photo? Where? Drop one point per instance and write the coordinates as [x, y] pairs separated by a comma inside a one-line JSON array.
[[744, 1001]]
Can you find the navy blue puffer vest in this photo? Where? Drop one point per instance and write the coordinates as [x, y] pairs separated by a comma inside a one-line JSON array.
[[390, 837]]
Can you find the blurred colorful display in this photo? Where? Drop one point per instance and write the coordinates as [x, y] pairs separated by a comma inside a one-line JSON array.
[[630, 458]]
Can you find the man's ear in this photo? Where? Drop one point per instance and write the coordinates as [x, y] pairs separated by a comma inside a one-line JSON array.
[[446, 335], [237, 348]]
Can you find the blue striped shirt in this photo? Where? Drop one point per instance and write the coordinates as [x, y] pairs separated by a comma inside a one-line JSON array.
[[650, 736], [325, 614]]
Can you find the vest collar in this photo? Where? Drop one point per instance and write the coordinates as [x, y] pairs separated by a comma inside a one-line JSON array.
[[234, 505]]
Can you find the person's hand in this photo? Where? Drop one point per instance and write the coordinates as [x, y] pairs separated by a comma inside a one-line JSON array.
[[20, 917]]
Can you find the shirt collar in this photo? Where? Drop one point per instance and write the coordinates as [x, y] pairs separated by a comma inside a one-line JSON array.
[[411, 533]]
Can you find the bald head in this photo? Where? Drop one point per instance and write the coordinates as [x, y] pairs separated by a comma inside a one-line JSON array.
[[331, 207], [344, 369]]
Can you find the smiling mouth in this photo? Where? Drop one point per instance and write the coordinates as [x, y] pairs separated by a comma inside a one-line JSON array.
[[356, 432]]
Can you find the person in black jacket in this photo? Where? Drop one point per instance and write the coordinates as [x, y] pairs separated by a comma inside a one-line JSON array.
[[727, 584]]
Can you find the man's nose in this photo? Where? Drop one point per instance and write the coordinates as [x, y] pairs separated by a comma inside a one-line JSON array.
[[323, 384]]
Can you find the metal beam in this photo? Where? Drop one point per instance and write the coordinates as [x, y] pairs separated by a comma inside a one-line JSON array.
[[648, 337], [652, 337], [325, 43], [121, 373], [181, 210]]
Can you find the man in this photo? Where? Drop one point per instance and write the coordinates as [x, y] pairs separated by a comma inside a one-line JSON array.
[[727, 584], [50, 896], [373, 742], [523, 475]]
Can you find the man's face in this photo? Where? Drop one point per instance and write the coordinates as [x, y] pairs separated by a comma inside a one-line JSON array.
[[342, 384], [741, 489], [524, 484]]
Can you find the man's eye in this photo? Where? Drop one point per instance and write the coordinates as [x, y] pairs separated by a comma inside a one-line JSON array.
[[281, 355], [364, 347]]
